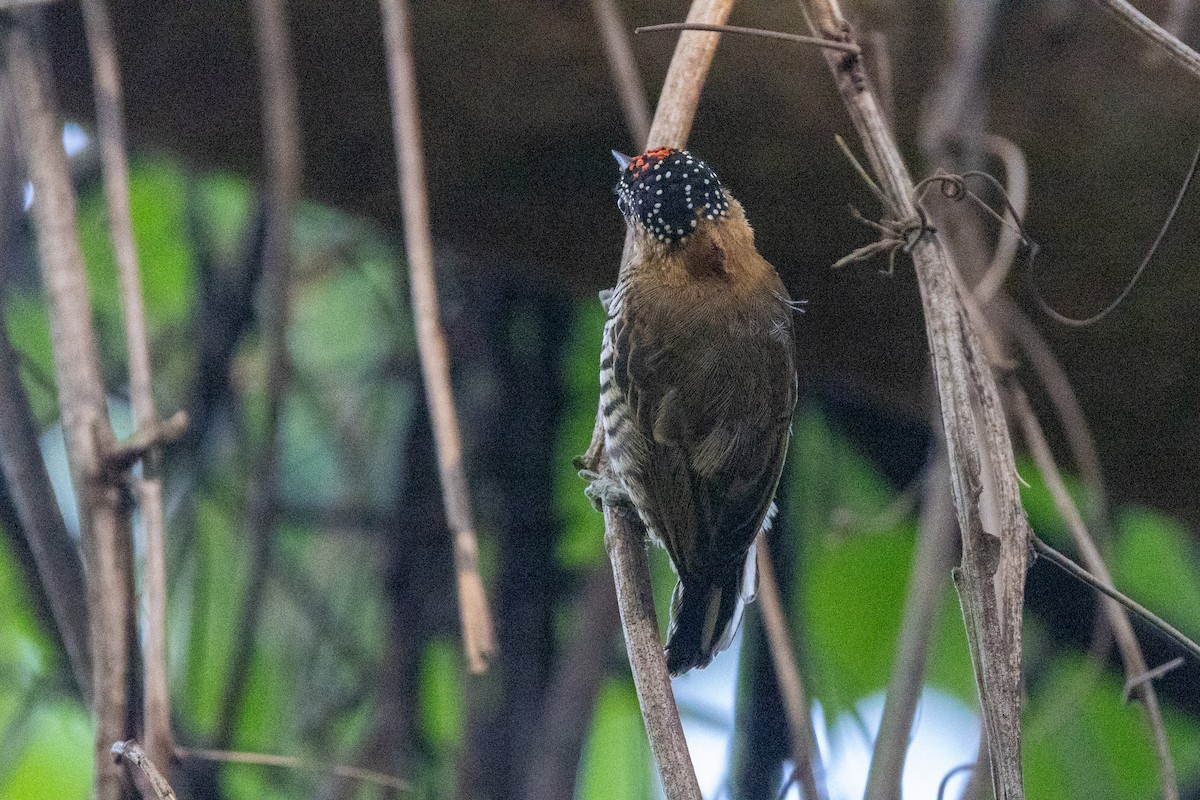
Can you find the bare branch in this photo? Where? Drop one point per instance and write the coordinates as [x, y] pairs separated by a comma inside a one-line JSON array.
[[59, 569], [810, 772], [1074, 570], [623, 64], [479, 637], [120, 456], [626, 543], [624, 539], [1132, 282], [1146, 28], [291, 762], [1066, 404], [1016, 188], [105, 527], [110, 123], [992, 577], [1151, 675], [142, 771], [794, 38]]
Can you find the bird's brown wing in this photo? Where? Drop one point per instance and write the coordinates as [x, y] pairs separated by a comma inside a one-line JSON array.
[[712, 413]]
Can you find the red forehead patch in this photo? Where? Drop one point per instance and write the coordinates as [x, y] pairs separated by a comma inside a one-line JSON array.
[[643, 162]]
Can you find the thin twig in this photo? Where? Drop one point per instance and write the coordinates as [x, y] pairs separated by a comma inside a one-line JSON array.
[[60, 572], [885, 74], [932, 562], [1079, 573], [291, 762], [105, 527], [1146, 28], [1151, 675], [1132, 282], [1127, 643], [624, 67], [1070, 412], [281, 148], [810, 773], [795, 38], [110, 125], [992, 576], [945, 782], [120, 456], [142, 771], [479, 637], [1016, 189]]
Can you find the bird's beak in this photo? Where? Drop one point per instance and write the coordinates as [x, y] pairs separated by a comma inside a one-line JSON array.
[[622, 159]]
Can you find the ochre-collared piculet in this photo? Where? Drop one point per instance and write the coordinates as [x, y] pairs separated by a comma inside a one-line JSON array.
[[697, 389]]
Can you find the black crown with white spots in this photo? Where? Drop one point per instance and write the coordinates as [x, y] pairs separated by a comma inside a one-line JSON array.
[[668, 191]]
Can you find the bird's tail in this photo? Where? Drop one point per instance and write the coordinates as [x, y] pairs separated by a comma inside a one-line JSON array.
[[705, 614]]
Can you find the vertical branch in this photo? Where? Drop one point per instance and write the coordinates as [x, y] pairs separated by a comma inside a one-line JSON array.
[[479, 636], [811, 774], [623, 65], [992, 574], [624, 539], [105, 529], [59, 570], [1118, 619], [281, 148], [111, 125]]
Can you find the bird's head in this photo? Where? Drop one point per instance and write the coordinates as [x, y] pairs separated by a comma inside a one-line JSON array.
[[665, 193]]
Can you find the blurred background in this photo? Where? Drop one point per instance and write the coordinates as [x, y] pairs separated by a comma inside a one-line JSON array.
[[356, 657]]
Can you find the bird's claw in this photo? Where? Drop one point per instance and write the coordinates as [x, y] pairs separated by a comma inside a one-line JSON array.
[[605, 491]]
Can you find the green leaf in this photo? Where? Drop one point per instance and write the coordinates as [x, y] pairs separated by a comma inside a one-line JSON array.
[[441, 710], [57, 759], [1154, 562], [616, 758], [1082, 741]]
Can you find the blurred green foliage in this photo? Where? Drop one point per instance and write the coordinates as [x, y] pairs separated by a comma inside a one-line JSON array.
[[318, 653]]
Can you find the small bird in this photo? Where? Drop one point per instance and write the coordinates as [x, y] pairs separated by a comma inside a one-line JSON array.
[[697, 389]]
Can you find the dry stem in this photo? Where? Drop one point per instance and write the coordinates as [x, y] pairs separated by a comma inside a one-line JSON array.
[[992, 576], [624, 539], [479, 636], [59, 568], [105, 528], [291, 762], [142, 771], [111, 127], [626, 543], [625, 74], [572, 694], [1146, 28]]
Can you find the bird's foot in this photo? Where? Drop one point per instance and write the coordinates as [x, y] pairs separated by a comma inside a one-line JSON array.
[[604, 490]]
